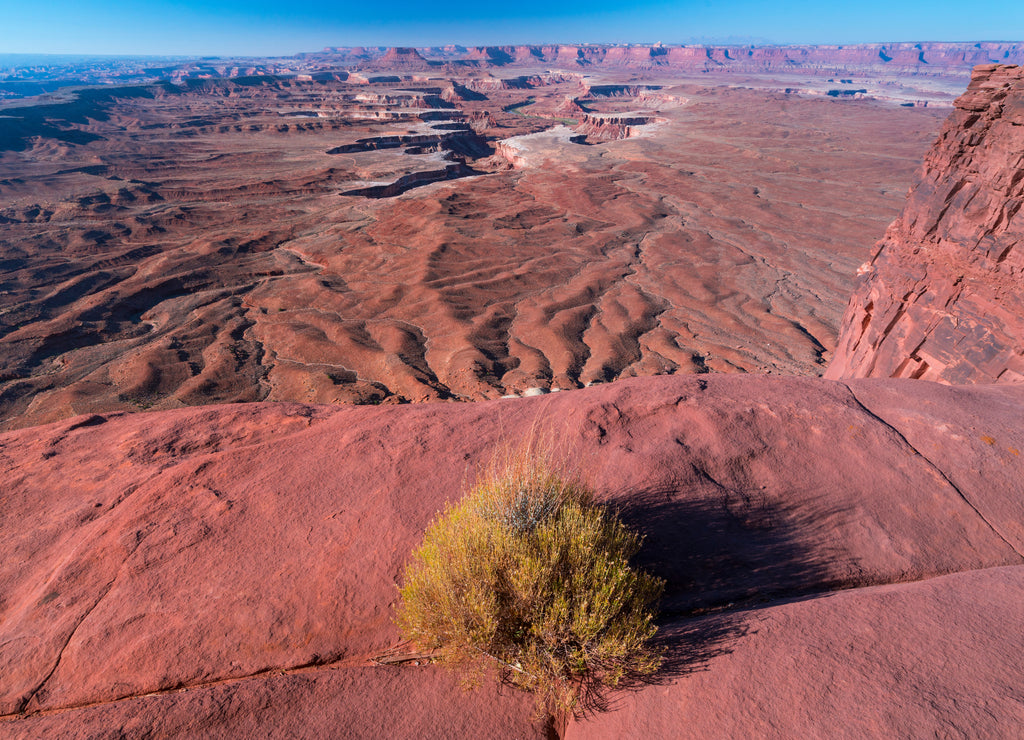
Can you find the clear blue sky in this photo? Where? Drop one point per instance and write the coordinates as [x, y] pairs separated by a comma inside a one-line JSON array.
[[261, 27]]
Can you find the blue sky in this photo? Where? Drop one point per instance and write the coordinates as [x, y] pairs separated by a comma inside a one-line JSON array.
[[260, 27]]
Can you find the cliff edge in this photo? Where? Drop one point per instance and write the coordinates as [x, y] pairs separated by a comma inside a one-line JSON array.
[[941, 298]]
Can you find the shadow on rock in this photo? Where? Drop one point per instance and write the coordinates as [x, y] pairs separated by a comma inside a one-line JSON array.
[[687, 647], [733, 548], [720, 555]]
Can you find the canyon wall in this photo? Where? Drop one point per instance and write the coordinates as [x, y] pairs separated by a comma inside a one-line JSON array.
[[928, 58], [941, 297]]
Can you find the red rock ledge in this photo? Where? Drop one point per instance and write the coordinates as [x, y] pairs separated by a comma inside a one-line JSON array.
[[842, 558]]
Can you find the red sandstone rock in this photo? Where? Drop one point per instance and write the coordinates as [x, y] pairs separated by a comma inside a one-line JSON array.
[[340, 701], [213, 548], [939, 658], [398, 57], [942, 296]]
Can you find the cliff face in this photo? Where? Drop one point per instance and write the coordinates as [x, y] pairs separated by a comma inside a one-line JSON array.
[[941, 298], [611, 127], [925, 58]]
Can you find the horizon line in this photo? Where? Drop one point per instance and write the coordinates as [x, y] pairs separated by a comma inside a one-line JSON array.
[[651, 44]]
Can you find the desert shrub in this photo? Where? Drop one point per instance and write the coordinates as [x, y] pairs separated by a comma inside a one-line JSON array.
[[527, 573]]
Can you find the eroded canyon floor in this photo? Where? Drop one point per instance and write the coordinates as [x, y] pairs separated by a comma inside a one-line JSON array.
[[430, 238]]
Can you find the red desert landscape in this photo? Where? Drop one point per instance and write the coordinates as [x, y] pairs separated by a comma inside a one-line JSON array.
[[243, 311]]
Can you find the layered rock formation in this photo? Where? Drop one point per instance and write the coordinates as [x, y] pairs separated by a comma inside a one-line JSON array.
[[612, 127], [397, 57], [941, 298], [924, 58], [827, 547]]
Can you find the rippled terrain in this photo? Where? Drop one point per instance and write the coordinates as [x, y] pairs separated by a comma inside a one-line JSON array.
[[461, 236]]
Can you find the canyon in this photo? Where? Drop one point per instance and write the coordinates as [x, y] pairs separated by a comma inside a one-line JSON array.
[[844, 555], [418, 237]]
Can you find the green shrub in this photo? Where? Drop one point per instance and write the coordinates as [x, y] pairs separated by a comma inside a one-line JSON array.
[[527, 573]]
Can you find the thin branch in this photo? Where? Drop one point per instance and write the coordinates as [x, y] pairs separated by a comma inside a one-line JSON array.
[[395, 658], [502, 662]]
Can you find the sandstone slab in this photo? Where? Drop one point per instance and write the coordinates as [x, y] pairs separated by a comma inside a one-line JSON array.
[[147, 553], [933, 658]]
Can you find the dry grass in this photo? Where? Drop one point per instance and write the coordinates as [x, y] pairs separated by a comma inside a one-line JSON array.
[[529, 574]]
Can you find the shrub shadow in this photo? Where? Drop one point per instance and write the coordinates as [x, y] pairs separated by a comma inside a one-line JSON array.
[[721, 554], [734, 548]]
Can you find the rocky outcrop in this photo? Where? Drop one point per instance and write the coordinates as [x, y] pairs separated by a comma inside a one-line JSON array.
[[508, 152], [488, 84], [611, 127], [398, 57], [456, 93], [616, 91], [570, 106], [230, 570], [942, 298]]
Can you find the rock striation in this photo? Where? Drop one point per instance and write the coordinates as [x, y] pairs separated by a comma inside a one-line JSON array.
[[941, 298], [921, 58]]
